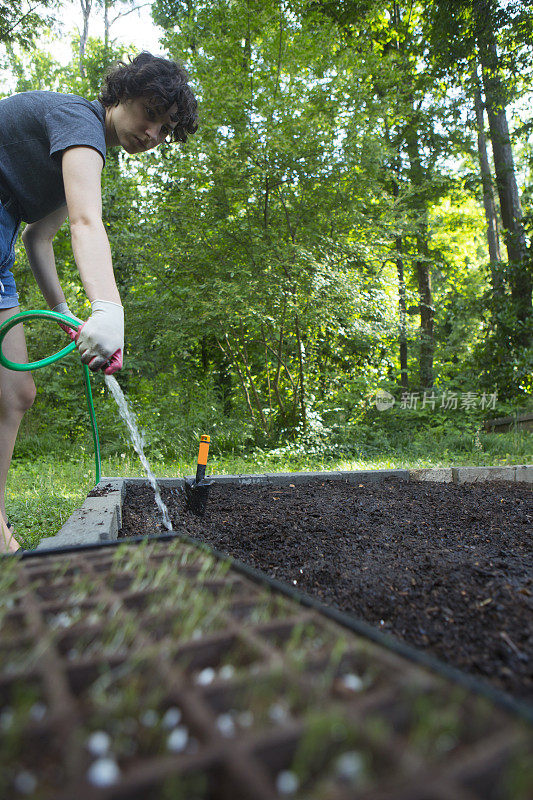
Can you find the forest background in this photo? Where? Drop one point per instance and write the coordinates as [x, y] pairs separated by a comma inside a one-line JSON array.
[[336, 268]]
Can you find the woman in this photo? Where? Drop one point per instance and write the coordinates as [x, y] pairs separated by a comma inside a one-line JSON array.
[[52, 151]]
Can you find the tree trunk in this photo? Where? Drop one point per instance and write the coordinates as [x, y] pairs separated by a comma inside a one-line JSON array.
[[404, 376], [423, 272], [86, 6], [418, 205], [235, 363], [107, 27], [489, 205], [495, 99], [301, 382], [267, 371], [244, 357], [402, 309], [223, 382], [427, 313]]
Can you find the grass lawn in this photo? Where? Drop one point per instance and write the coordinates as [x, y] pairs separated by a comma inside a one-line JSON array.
[[43, 492]]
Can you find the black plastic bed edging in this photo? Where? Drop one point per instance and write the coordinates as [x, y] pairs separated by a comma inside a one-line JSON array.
[[500, 698]]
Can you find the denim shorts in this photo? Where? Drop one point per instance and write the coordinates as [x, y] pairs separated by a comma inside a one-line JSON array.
[[9, 228]]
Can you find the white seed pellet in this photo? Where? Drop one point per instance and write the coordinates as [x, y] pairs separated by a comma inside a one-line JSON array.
[[227, 671], [287, 782], [98, 743], [62, 620], [6, 719], [277, 713], [445, 742], [226, 725], [103, 772], [206, 676], [38, 711], [352, 681], [245, 719], [171, 718], [349, 766], [149, 719], [25, 782], [177, 739]]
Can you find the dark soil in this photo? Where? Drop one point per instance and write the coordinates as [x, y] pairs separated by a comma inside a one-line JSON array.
[[100, 491], [445, 568]]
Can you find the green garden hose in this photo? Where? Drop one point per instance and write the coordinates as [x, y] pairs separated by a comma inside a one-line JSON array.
[[44, 362]]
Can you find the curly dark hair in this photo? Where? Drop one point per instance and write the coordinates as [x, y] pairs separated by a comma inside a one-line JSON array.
[[165, 82]]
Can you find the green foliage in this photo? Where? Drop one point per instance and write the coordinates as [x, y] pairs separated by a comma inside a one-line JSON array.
[[20, 23], [257, 263]]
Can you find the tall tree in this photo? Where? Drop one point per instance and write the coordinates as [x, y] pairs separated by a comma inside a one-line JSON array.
[[419, 208], [114, 10], [409, 103], [86, 6], [287, 169], [496, 99], [489, 204], [496, 36]]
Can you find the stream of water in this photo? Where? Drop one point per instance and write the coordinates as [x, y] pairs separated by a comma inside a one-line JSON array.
[[137, 439]]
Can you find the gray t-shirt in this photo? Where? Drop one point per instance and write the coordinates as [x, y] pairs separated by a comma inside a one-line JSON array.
[[35, 128]]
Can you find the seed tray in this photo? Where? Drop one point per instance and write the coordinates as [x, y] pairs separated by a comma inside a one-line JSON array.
[[155, 669]]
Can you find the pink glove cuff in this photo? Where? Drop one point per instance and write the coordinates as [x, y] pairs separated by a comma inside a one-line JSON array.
[[70, 331]]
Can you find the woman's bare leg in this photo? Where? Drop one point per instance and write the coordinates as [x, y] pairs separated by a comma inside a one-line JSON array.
[[17, 393], [8, 543]]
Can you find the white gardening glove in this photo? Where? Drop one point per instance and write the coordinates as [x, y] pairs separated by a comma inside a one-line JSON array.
[[62, 308], [102, 336]]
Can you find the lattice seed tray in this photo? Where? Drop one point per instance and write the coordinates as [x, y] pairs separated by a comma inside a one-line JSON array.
[[155, 670]]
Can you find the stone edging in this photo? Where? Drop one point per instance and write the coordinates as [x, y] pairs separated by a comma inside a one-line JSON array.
[[100, 518]]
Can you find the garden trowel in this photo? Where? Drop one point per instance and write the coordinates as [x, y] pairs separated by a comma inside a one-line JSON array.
[[197, 489]]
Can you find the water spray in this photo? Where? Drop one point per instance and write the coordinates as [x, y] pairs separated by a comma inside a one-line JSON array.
[[197, 489], [111, 382]]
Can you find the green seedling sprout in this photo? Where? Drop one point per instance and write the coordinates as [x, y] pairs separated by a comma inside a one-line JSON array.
[[20, 706], [267, 607], [337, 750], [9, 593], [517, 779]]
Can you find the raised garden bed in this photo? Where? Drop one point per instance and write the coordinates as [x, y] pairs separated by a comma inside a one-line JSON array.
[[443, 567], [153, 669]]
